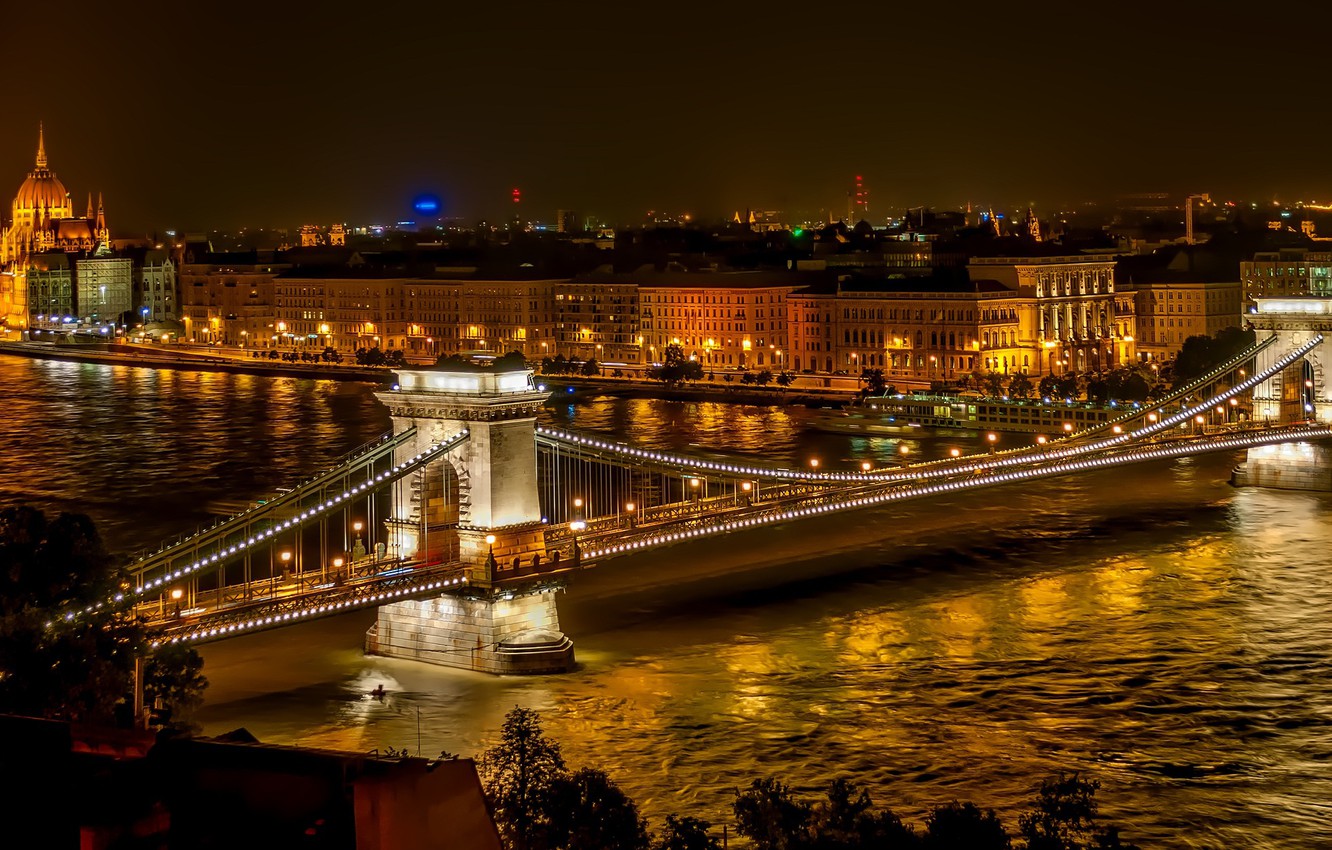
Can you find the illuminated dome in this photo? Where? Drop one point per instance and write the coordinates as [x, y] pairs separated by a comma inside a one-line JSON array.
[[42, 191]]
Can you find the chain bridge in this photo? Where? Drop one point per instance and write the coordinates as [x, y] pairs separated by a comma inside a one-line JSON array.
[[462, 524]]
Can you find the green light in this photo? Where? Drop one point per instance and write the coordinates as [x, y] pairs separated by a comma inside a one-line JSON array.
[[798, 232]]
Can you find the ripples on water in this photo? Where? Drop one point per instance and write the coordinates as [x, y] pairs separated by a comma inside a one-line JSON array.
[[1157, 629]]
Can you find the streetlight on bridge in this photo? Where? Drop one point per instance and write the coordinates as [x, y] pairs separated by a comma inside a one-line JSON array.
[[358, 548]]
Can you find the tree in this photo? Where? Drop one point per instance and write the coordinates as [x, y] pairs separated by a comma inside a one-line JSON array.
[[1068, 385], [748, 378], [846, 821], [994, 384], [512, 361], [588, 811], [1019, 386], [873, 381], [1098, 389], [1048, 387], [771, 817], [785, 379], [395, 359], [1066, 817], [958, 825], [77, 667], [763, 378], [686, 833], [519, 775], [174, 674], [1201, 354], [591, 368]]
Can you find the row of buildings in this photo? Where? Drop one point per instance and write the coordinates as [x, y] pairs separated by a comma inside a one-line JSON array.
[[58, 268], [1048, 312]]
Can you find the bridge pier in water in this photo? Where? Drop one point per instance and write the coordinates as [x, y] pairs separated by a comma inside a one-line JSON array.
[[478, 504]]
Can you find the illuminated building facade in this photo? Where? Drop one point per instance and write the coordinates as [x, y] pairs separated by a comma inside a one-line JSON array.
[[104, 289], [599, 319], [155, 288], [1078, 324], [1167, 313], [424, 317], [230, 300], [912, 331], [42, 220], [1289, 271], [50, 281], [724, 320]]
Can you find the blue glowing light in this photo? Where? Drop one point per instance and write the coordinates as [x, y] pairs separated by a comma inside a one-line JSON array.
[[426, 205]]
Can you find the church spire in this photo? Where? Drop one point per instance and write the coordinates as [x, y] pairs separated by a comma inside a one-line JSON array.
[[90, 207], [41, 146]]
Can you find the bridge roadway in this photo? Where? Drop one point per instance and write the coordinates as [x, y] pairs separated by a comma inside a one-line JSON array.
[[609, 539]]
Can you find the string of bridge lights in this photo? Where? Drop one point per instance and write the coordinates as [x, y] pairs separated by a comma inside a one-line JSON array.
[[271, 532], [699, 464], [313, 611], [1151, 428], [1132, 456]]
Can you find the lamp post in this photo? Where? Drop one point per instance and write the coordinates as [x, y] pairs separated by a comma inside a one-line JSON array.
[[337, 568], [286, 564], [490, 553], [992, 438], [358, 548], [629, 508]]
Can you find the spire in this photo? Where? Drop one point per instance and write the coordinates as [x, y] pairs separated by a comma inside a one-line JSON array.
[[90, 207], [103, 234], [41, 146]]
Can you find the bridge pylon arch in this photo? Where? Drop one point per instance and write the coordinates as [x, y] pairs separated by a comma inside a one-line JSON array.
[[494, 471]]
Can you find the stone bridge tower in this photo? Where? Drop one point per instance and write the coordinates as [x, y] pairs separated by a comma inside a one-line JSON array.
[[1301, 392], [480, 504]]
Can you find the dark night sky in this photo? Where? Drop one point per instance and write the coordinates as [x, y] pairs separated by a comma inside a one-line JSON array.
[[291, 112]]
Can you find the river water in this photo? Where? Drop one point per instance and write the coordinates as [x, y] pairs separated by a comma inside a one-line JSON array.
[[1154, 627]]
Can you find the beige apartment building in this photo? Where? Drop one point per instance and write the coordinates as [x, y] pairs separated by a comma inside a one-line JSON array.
[[1170, 312], [912, 330], [230, 302], [724, 320]]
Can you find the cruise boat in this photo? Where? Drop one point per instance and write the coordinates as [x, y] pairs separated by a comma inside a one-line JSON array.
[[899, 415]]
